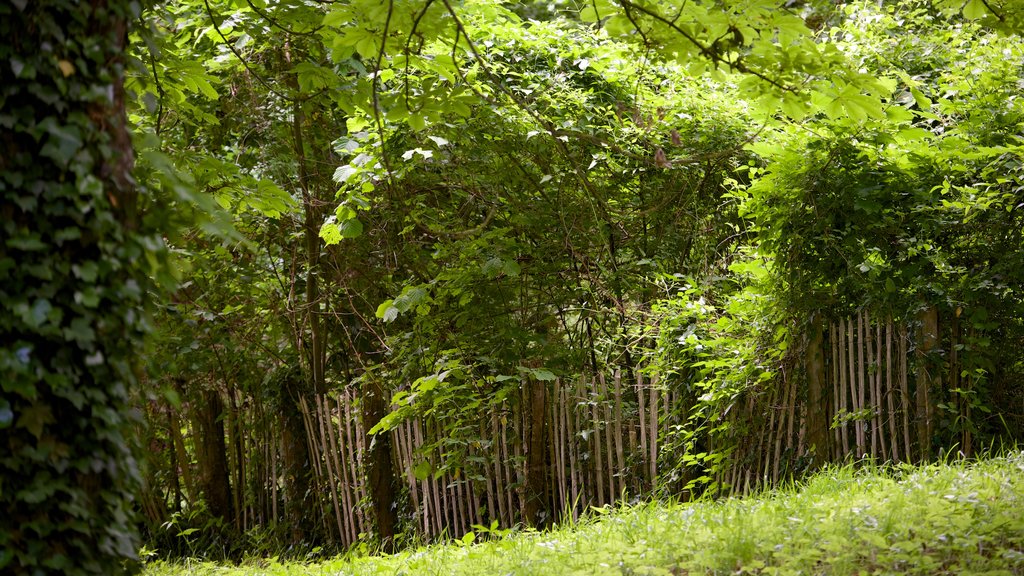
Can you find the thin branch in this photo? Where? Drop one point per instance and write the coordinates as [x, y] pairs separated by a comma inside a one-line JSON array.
[[408, 42], [543, 122], [274, 22], [705, 51], [160, 93], [998, 15], [245, 64], [375, 87]]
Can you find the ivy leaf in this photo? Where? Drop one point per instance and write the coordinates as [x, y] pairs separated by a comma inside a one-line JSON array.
[[80, 331], [89, 297], [34, 418], [63, 143], [6, 415], [86, 271], [38, 314], [27, 242], [17, 65]]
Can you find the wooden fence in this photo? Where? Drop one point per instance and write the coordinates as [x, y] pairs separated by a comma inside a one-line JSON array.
[[859, 387], [601, 438]]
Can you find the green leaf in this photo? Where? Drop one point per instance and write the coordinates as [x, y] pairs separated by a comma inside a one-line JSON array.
[[975, 9], [913, 135], [922, 101], [387, 311], [38, 314], [421, 470], [368, 47], [417, 122], [543, 374], [6, 416], [356, 124], [27, 242], [351, 228], [512, 268], [343, 173], [62, 144], [86, 271], [80, 331], [34, 418], [330, 233], [89, 297]]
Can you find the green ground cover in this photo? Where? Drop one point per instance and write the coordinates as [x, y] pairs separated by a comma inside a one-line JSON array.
[[954, 518]]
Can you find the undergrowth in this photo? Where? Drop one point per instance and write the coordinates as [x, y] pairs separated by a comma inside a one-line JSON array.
[[952, 518]]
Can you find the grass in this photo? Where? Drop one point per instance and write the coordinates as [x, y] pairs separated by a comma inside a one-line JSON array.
[[955, 518]]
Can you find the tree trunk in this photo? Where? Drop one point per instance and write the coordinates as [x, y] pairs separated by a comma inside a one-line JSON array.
[[213, 458], [817, 396], [380, 470], [536, 450], [927, 342], [75, 280], [295, 452]]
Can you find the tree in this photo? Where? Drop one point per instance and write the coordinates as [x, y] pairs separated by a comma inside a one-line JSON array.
[[74, 254]]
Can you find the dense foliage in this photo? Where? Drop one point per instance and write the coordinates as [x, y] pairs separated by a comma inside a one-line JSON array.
[[449, 206]]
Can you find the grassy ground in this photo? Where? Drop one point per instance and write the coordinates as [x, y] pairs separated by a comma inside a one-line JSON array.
[[959, 518]]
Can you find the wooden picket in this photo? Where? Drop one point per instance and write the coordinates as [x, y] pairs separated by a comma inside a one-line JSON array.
[[603, 435]]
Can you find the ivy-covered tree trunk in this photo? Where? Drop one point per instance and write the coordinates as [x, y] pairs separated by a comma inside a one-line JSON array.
[[72, 289]]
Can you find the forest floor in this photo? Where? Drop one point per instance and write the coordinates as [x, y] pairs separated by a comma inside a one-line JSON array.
[[955, 518]]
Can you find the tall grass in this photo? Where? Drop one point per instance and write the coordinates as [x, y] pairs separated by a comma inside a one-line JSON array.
[[952, 518]]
